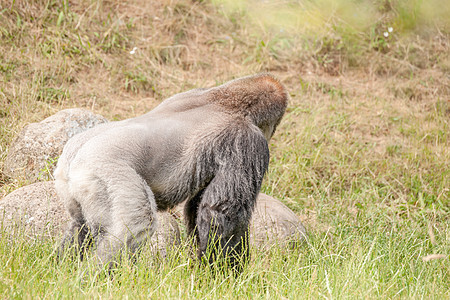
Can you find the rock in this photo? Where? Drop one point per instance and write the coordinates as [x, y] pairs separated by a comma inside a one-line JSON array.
[[272, 223], [37, 210], [33, 154]]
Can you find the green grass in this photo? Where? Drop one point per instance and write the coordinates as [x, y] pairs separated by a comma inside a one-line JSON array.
[[362, 154], [368, 255]]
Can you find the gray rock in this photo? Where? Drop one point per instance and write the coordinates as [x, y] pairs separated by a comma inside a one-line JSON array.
[[272, 223], [36, 211], [33, 154]]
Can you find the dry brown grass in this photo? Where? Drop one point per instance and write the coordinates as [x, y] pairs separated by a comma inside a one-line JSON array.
[[77, 54], [56, 55]]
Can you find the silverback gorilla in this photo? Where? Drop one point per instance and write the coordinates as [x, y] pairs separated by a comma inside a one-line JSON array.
[[206, 146]]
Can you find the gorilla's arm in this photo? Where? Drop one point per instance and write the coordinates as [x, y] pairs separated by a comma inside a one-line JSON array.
[[226, 204]]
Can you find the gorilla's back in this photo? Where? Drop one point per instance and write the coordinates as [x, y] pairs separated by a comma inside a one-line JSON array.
[[153, 144]]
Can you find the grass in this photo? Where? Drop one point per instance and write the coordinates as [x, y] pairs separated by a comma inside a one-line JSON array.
[[362, 154], [362, 257]]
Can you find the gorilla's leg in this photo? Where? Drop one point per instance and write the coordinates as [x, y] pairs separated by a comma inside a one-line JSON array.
[[133, 215], [190, 215], [77, 232]]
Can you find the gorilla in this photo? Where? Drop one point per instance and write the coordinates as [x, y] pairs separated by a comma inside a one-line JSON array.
[[206, 146]]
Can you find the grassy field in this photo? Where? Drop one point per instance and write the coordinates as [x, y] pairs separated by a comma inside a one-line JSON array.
[[362, 155]]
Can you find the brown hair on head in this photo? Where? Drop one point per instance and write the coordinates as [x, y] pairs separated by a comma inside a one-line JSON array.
[[243, 93], [261, 97]]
